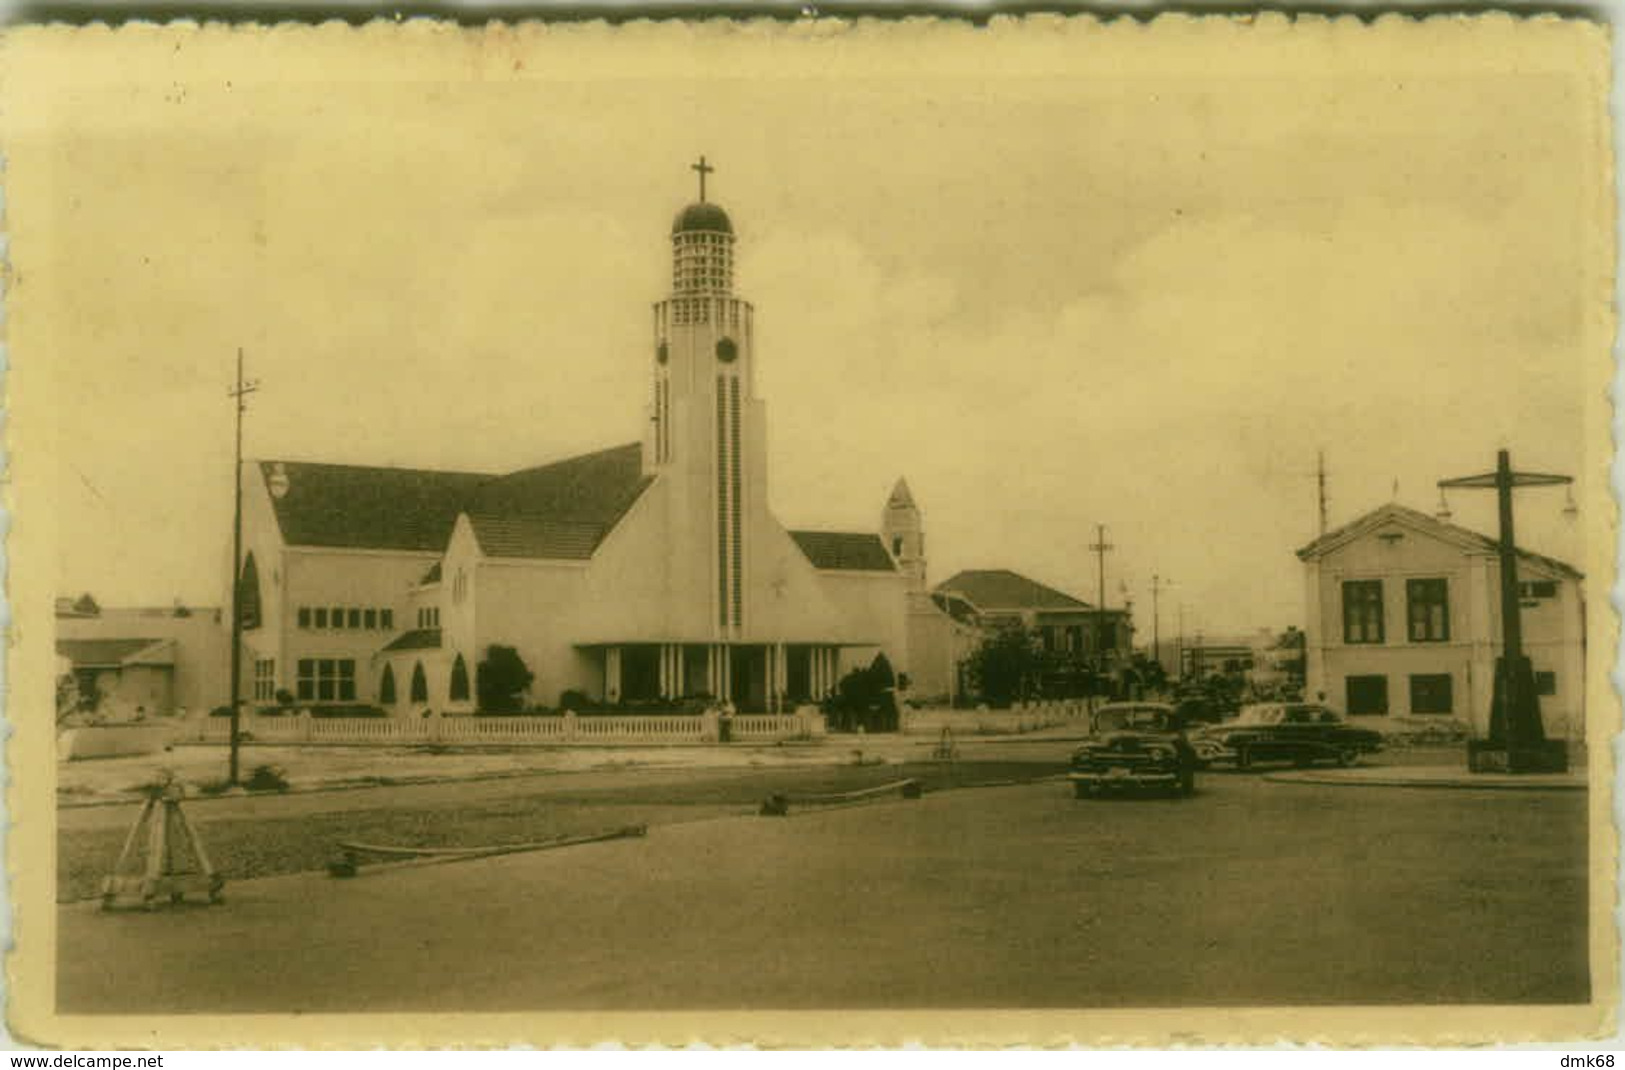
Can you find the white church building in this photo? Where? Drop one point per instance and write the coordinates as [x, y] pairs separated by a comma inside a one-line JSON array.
[[637, 574]]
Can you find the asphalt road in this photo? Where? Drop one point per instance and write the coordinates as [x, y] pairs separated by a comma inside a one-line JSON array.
[[1249, 893]]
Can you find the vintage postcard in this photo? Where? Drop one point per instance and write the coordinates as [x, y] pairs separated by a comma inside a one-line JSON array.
[[1052, 531]]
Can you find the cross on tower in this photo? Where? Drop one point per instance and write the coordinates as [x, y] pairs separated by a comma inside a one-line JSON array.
[[704, 169]]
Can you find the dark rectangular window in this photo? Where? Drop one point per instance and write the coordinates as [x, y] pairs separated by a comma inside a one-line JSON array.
[[327, 679], [1427, 609], [337, 616], [1545, 683], [1362, 611], [1431, 693], [1538, 589], [321, 618], [304, 616], [386, 618], [355, 618], [1366, 695], [371, 619]]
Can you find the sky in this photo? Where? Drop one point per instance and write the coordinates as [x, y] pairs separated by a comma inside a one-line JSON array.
[[1143, 297]]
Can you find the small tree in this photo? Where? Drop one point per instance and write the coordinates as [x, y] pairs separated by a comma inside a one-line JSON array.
[[1005, 664], [502, 680]]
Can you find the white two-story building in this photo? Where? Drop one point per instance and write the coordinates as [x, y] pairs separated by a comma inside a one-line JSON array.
[[1404, 619]]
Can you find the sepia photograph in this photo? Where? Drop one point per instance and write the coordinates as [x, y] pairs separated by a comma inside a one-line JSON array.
[[892, 522]]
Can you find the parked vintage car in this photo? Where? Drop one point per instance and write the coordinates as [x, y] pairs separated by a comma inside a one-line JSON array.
[[1297, 732], [1134, 745]]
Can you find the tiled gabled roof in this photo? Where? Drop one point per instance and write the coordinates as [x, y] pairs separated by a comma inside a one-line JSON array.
[[845, 551], [1466, 538], [560, 510], [352, 507], [101, 653], [999, 588], [547, 511], [536, 537], [416, 639]]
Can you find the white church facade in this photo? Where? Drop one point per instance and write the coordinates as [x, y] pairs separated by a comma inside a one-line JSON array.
[[638, 575]]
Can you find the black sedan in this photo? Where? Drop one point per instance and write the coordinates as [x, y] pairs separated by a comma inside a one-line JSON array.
[[1296, 732], [1134, 745]]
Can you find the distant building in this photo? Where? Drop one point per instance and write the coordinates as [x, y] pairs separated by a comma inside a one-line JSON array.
[[1404, 618], [980, 601], [1202, 657], [155, 661]]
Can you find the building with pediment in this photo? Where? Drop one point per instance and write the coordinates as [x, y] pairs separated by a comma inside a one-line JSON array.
[[1404, 619]]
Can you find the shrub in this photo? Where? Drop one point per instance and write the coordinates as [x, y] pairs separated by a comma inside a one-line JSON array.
[[576, 701], [266, 778], [502, 680]]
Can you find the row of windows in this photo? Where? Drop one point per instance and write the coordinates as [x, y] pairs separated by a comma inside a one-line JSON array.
[[428, 616], [456, 691], [333, 680], [1427, 611], [352, 618], [1430, 693]]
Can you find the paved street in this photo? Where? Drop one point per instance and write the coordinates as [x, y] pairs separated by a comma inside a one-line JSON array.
[[1251, 892]]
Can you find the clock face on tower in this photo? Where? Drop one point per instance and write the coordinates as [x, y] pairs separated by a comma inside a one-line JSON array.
[[661, 353], [727, 351]]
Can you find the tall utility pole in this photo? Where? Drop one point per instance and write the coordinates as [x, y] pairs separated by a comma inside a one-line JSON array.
[[1179, 650], [239, 393], [1320, 485], [1157, 583], [1100, 546], [1517, 740]]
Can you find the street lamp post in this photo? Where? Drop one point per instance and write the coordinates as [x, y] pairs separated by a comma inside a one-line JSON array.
[[1517, 741]]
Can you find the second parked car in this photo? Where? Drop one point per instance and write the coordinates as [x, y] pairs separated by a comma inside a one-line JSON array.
[[1297, 732]]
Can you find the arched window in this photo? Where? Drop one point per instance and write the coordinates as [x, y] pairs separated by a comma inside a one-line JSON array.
[[386, 687], [420, 684], [248, 593], [459, 680]]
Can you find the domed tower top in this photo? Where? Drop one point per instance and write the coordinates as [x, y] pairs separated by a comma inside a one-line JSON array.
[[702, 240], [702, 215]]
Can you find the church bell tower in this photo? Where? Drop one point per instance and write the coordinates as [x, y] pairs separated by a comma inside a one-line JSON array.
[[706, 426]]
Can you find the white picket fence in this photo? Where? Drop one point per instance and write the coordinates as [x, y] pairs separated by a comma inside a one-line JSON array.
[[517, 731], [1022, 717]]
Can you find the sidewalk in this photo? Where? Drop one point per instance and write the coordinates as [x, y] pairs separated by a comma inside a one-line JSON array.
[[1432, 776]]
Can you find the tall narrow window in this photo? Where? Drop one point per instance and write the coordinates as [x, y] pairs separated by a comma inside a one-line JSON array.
[[304, 616], [722, 504], [321, 617], [459, 680], [420, 684], [386, 619], [734, 495], [248, 593], [1428, 610], [371, 619], [1362, 611], [386, 687]]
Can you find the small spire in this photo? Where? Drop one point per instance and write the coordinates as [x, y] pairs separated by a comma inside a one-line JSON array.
[[901, 498]]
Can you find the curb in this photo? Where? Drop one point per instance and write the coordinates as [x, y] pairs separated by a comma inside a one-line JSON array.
[[1461, 782]]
